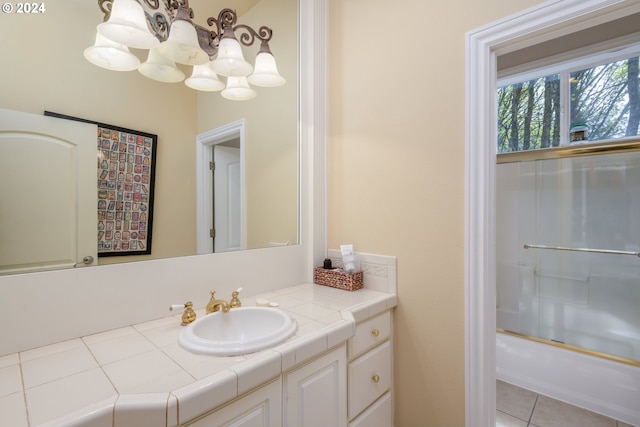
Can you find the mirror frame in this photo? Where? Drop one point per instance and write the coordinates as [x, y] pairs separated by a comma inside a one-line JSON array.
[[83, 301]]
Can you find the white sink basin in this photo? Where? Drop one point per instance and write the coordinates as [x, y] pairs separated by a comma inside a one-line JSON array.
[[240, 331]]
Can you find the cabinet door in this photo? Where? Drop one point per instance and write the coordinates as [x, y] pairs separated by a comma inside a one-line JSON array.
[[380, 414], [260, 408], [316, 393]]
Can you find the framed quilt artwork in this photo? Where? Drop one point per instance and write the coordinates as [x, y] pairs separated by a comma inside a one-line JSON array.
[[125, 184]]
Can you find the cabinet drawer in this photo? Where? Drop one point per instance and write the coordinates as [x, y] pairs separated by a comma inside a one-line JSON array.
[[370, 333], [369, 377], [380, 414]]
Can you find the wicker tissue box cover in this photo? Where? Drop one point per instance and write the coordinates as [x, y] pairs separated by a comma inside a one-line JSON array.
[[337, 278]]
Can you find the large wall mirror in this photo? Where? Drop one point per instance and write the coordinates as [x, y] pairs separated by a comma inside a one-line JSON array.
[[45, 70]]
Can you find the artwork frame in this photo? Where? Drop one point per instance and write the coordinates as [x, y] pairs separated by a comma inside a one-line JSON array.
[[126, 169]]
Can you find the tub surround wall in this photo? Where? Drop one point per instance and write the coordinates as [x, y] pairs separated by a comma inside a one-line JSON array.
[[140, 370]]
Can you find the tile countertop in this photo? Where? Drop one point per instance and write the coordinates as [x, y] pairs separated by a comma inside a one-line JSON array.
[[115, 377]]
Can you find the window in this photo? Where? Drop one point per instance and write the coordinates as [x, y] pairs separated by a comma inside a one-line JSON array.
[[602, 100], [529, 114]]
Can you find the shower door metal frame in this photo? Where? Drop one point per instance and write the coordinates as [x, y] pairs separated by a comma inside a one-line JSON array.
[[610, 146]]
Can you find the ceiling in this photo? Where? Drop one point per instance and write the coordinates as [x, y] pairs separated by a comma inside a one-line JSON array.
[[202, 9]]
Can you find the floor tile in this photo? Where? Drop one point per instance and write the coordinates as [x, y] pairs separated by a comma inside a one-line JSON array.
[[515, 401], [552, 413], [505, 420]]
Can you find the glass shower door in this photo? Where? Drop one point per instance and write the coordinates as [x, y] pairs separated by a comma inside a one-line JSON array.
[[558, 289]]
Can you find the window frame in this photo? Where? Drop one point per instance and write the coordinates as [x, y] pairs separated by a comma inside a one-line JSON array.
[[600, 54]]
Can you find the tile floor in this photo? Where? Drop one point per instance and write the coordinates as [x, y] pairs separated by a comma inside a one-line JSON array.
[[517, 407]]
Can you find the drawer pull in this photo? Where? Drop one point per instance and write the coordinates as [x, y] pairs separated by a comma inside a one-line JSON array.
[[375, 379], [375, 332]]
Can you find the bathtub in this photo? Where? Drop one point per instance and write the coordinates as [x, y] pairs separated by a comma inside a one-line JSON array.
[[603, 386]]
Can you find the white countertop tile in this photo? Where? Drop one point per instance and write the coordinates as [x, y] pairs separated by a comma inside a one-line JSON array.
[[264, 366], [141, 410], [312, 310], [13, 410], [118, 345], [10, 380], [57, 398], [52, 349], [64, 381], [161, 332], [10, 359], [198, 365], [198, 397], [150, 372], [56, 365]]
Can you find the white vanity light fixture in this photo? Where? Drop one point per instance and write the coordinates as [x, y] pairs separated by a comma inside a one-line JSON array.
[[108, 54], [182, 45], [127, 25], [265, 72], [167, 30], [160, 68], [238, 89], [203, 78], [230, 60]]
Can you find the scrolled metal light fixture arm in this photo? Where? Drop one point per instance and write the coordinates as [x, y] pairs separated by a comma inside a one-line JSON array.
[[105, 7], [208, 38]]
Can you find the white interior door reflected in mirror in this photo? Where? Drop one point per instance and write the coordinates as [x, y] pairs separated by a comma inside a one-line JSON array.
[[48, 185], [227, 200], [223, 150]]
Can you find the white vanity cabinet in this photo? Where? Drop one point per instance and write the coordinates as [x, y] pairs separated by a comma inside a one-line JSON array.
[[315, 393], [370, 373], [259, 408]]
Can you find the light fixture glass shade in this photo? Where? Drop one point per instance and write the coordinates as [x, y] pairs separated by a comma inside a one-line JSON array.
[[203, 78], [230, 61], [127, 25], [238, 89], [265, 72], [182, 44], [160, 68], [111, 55]]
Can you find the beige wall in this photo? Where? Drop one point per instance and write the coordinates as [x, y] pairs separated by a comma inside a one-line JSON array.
[[271, 130], [43, 69], [396, 177]]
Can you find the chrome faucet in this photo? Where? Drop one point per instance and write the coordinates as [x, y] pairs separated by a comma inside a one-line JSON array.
[[217, 304]]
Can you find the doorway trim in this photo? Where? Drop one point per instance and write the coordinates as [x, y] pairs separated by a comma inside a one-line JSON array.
[[547, 21], [204, 184]]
